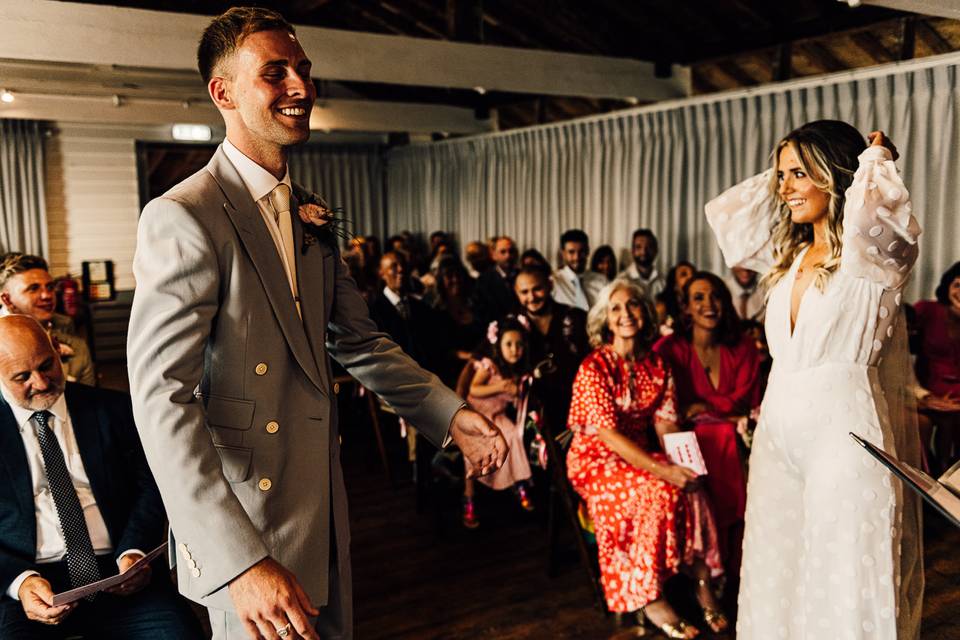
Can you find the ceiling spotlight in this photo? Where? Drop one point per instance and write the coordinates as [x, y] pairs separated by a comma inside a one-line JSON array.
[[6, 96], [193, 132], [480, 90]]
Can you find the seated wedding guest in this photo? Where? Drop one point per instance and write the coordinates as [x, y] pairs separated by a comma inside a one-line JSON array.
[[494, 391], [26, 287], [938, 363], [643, 270], [478, 259], [493, 294], [459, 326], [78, 504], [604, 262], [672, 293], [650, 517], [557, 332], [533, 258], [749, 298], [408, 321], [573, 285], [716, 368]]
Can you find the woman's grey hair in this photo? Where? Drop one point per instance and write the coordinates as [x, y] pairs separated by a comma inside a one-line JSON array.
[[597, 330]]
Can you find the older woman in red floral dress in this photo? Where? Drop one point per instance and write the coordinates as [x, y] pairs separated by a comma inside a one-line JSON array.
[[650, 517]]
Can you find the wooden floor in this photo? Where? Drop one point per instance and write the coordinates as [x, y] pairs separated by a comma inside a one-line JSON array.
[[416, 580]]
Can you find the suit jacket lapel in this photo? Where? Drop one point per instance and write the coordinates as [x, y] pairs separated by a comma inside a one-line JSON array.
[[256, 240], [14, 457], [310, 280]]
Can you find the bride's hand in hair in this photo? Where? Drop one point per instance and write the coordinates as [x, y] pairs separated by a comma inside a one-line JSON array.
[[879, 139]]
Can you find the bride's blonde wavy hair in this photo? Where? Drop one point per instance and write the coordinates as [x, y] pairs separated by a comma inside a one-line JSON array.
[[827, 151]]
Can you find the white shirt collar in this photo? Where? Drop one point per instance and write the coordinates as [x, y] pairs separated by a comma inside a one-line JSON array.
[[391, 296], [568, 274], [22, 415], [258, 181], [634, 273]]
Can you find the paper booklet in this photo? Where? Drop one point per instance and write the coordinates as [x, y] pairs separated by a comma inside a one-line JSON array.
[[943, 493], [683, 449], [101, 585]]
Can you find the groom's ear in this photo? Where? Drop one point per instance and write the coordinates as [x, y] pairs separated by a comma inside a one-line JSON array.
[[220, 93]]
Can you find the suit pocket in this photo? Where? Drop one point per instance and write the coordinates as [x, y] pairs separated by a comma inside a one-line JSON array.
[[235, 462], [229, 413]]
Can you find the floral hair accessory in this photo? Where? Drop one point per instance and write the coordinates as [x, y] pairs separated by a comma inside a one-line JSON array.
[[493, 332]]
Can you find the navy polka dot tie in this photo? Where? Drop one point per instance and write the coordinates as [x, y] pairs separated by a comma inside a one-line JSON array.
[[81, 560]]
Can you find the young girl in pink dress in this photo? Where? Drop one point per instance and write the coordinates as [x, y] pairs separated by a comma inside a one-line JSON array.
[[494, 392]]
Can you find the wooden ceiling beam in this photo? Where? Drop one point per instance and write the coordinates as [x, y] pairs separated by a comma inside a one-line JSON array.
[[821, 56], [932, 38], [871, 45], [736, 72]]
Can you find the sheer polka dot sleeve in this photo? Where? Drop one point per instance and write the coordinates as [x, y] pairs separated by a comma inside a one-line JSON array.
[[741, 218], [592, 407], [667, 411], [879, 229]]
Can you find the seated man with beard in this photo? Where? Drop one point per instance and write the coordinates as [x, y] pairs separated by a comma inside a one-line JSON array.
[[557, 332]]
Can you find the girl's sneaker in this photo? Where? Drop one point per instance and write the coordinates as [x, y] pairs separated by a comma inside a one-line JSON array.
[[470, 520], [523, 497]]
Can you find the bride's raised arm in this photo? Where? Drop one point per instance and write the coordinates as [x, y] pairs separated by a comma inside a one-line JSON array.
[[742, 218]]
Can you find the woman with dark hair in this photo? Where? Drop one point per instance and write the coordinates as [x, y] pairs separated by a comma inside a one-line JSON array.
[[672, 292], [650, 517], [831, 543], [460, 327], [604, 262], [716, 368], [938, 361], [533, 258]]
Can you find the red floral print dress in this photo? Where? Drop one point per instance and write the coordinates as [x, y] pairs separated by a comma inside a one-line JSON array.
[[646, 528]]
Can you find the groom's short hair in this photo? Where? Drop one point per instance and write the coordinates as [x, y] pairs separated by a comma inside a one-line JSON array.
[[228, 31]]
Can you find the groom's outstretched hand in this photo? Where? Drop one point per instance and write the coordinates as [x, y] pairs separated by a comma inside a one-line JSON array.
[[268, 598], [479, 440]]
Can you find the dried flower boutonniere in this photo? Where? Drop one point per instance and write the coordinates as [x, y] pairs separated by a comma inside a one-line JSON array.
[[322, 224]]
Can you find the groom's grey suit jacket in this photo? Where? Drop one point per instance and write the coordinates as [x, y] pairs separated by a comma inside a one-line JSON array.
[[232, 391]]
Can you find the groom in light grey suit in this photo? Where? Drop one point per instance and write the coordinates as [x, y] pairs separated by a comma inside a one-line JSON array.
[[239, 303]]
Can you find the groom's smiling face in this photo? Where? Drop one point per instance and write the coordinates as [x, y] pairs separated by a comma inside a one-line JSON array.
[[268, 82]]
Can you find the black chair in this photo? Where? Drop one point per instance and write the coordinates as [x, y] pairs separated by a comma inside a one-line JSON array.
[[563, 505]]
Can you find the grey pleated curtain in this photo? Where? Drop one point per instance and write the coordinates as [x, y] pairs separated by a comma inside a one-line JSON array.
[[23, 213], [347, 176], [657, 167]]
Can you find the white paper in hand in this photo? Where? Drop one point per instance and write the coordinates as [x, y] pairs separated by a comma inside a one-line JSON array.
[[683, 449]]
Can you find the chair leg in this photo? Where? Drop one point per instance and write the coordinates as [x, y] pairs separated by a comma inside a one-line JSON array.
[[378, 434]]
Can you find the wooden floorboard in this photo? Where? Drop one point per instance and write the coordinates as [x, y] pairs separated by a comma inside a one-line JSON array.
[[414, 580]]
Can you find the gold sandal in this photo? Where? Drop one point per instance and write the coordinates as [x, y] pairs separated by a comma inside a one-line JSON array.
[[715, 618], [677, 630]]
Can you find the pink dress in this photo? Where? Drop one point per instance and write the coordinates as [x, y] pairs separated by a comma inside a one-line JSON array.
[[646, 527], [517, 466]]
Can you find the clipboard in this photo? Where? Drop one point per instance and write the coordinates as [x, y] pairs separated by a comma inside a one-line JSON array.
[[101, 585], [936, 492]]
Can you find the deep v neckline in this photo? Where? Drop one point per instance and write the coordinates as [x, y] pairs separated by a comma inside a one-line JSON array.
[[791, 321]]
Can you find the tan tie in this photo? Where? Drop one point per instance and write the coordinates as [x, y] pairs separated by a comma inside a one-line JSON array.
[[280, 199]]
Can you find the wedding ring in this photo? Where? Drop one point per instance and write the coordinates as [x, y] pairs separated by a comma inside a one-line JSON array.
[[284, 631]]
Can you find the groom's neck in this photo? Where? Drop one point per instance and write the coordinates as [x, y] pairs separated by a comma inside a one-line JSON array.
[[271, 157]]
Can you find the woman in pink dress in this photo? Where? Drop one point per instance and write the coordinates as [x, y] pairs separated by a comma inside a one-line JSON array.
[[716, 368], [650, 518], [494, 393]]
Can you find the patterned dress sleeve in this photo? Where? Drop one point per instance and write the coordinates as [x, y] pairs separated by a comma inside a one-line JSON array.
[[667, 411], [741, 218], [592, 407], [879, 229]]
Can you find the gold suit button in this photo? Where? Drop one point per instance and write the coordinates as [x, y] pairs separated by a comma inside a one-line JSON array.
[[261, 369], [195, 573], [273, 426], [183, 548], [265, 484], [336, 387]]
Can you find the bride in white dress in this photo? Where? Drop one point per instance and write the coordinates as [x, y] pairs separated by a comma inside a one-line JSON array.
[[831, 547]]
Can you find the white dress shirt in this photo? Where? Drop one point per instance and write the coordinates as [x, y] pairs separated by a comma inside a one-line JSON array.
[[752, 300], [577, 290], [51, 546], [260, 183], [654, 284]]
